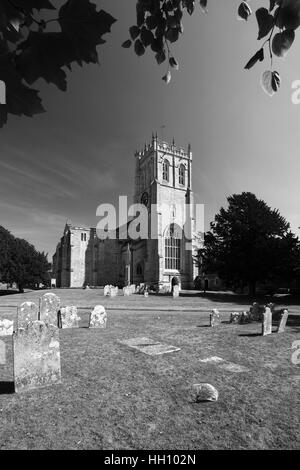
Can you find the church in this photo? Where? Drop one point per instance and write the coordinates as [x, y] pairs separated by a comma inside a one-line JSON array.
[[162, 257]]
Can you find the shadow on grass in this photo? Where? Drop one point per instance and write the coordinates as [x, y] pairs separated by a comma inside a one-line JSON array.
[[244, 299], [250, 335], [7, 388]]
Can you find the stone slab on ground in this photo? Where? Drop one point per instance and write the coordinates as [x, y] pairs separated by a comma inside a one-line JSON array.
[[149, 346]]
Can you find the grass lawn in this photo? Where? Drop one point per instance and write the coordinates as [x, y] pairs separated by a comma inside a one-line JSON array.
[[114, 397]]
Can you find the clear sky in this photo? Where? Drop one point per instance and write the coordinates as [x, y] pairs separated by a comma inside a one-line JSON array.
[[62, 164]]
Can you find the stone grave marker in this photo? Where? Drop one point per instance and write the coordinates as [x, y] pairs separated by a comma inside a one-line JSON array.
[[27, 313], [49, 307], [146, 293], [106, 292], [175, 291], [98, 317], [68, 317], [283, 321], [255, 312], [36, 356], [126, 290], [6, 327], [114, 291], [149, 346], [2, 353], [244, 318], [215, 318], [267, 322], [235, 317]]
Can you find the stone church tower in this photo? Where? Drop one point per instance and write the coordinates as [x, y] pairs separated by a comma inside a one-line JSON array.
[[165, 256], [163, 182]]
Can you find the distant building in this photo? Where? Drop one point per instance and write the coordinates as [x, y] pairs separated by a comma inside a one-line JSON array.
[[163, 184]]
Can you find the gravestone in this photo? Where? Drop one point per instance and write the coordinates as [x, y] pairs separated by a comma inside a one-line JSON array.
[[267, 322], [49, 307], [205, 392], [175, 291], [68, 317], [244, 318], [98, 317], [126, 290], [36, 356], [215, 318], [146, 293], [2, 353], [255, 312], [235, 317], [106, 292], [149, 346], [283, 320], [114, 291], [27, 313], [6, 327], [132, 288]]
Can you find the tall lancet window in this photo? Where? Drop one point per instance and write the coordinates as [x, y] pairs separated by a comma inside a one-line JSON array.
[[173, 247], [182, 174], [166, 170]]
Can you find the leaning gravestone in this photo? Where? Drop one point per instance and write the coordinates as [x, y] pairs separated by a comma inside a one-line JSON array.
[[49, 307], [215, 318], [98, 317], [267, 322], [175, 291], [6, 327], [27, 312], [68, 317], [283, 320], [36, 355]]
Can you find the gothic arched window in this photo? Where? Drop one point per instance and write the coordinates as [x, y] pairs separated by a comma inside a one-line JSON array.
[[166, 166], [173, 247], [182, 174], [139, 270]]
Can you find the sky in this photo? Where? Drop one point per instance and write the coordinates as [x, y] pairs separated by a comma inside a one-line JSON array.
[[60, 165]]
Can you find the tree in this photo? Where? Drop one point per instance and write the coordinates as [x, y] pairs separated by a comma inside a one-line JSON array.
[[249, 242], [30, 49], [20, 262]]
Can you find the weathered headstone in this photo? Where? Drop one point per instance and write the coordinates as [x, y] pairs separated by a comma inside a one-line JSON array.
[[68, 317], [27, 313], [146, 293], [126, 291], [244, 318], [255, 312], [215, 318], [205, 392], [235, 317], [283, 321], [36, 356], [132, 288], [98, 317], [267, 322], [49, 307], [106, 291], [175, 291], [114, 291], [6, 327], [2, 353]]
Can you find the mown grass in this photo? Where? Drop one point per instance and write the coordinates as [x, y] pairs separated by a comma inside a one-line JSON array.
[[114, 397]]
